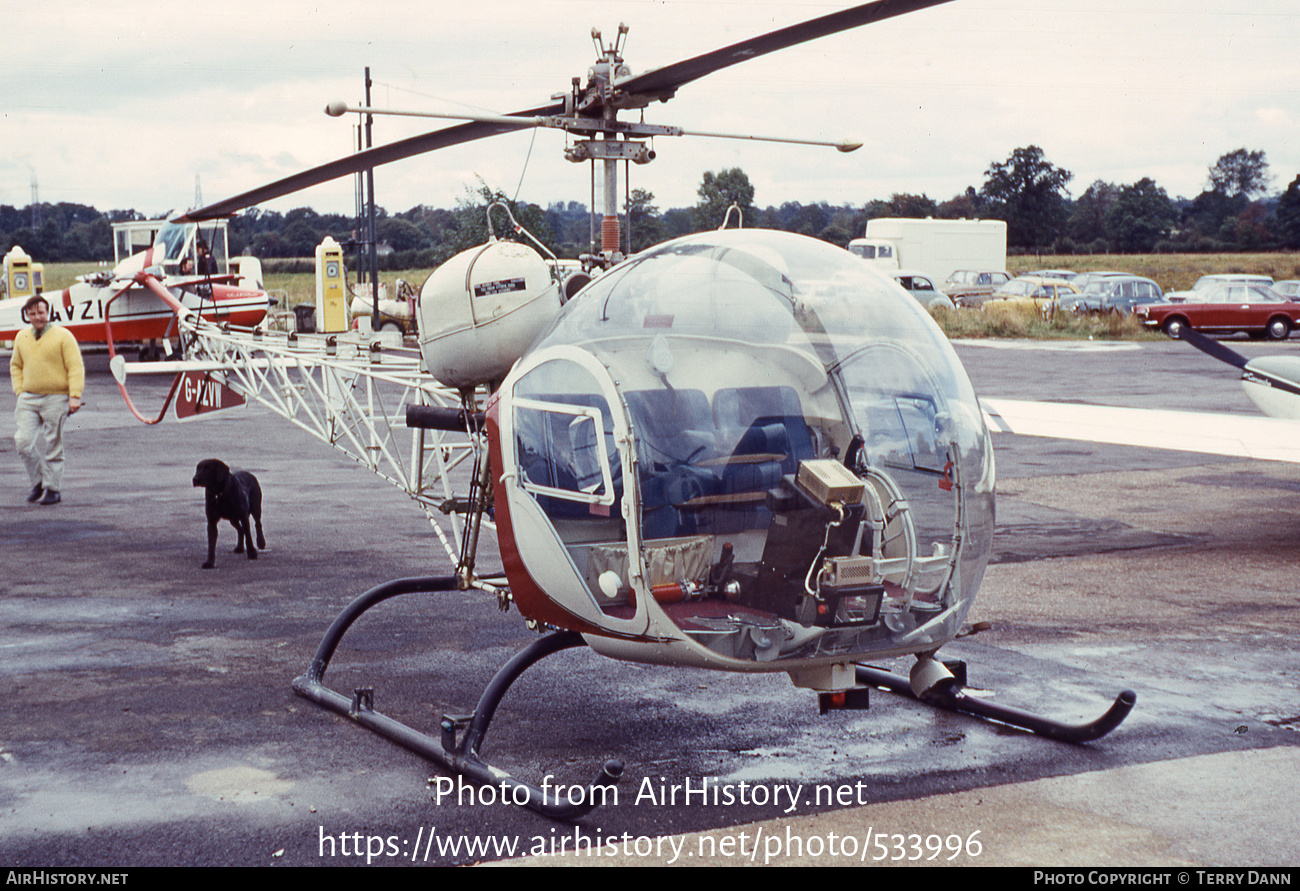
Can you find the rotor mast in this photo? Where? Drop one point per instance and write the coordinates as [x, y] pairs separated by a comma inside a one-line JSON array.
[[607, 147]]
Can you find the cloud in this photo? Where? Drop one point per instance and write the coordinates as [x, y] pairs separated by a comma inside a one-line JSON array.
[[123, 104]]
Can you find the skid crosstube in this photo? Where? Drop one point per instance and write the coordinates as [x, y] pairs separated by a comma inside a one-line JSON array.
[[461, 758], [952, 696]]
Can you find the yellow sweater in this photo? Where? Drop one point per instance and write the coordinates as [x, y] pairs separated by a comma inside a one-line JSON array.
[[47, 365]]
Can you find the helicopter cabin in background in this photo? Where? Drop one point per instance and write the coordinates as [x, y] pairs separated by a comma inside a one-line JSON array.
[[190, 259], [134, 237], [180, 249], [180, 242]]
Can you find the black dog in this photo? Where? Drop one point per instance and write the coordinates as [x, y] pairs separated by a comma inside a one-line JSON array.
[[234, 496]]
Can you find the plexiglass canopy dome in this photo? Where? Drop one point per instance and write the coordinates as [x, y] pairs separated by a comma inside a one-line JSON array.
[[663, 422]]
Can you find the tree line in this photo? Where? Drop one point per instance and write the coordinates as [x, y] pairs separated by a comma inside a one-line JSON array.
[[1234, 212]]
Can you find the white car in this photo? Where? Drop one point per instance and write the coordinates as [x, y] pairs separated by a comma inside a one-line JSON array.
[[1290, 289], [920, 286], [1223, 278], [971, 287]]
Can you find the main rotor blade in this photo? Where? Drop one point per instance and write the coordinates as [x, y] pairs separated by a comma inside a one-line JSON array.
[[384, 154], [1213, 348], [661, 83]]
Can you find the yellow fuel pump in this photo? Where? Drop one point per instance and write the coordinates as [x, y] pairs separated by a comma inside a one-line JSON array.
[[22, 277], [331, 288]]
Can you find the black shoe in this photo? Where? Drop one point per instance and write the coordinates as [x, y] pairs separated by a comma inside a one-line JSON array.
[[35, 495], [51, 497]]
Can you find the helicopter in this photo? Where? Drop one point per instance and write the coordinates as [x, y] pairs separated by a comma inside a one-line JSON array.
[[85, 308], [741, 450]]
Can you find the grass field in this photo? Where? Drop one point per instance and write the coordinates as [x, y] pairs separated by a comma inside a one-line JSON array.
[[1025, 321], [1173, 272], [1170, 271]]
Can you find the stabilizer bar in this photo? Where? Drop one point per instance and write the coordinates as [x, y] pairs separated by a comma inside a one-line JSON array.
[[462, 758], [951, 695]]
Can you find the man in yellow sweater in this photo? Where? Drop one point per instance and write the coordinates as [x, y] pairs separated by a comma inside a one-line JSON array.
[[48, 377]]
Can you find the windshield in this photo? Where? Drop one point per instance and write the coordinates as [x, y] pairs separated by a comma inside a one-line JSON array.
[[187, 249], [174, 239]]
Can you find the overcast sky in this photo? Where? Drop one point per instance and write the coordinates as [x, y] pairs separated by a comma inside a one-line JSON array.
[[124, 104]]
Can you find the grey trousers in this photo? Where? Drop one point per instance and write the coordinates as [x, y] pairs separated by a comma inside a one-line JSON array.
[[39, 424]]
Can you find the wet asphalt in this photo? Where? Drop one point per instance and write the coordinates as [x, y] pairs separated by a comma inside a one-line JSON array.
[[148, 717]]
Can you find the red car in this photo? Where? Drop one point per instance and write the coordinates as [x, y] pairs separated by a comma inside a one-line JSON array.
[[1257, 310]]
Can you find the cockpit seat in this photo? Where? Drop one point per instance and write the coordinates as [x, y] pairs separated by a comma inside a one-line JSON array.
[[765, 420], [707, 468], [770, 437]]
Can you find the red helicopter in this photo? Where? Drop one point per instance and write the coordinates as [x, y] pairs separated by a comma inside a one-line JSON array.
[[114, 307], [742, 450]]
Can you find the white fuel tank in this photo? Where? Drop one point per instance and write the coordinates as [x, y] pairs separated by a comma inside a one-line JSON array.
[[481, 310]]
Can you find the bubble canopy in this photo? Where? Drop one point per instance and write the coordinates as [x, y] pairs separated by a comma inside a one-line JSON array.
[[751, 285], [734, 358]]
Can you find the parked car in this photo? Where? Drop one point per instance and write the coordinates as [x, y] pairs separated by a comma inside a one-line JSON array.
[[971, 287], [1113, 293], [1063, 274], [1220, 278], [922, 288], [1042, 293], [1083, 279], [1225, 309]]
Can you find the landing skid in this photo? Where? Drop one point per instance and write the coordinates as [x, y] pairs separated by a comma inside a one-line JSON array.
[[950, 694], [458, 757], [457, 748]]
